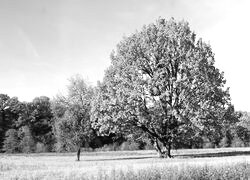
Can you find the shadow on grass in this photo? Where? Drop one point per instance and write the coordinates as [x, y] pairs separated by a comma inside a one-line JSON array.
[[180, 156], [121, 158], [213, 154]]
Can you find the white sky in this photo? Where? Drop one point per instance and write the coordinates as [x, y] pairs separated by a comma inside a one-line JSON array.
[[44, 42]]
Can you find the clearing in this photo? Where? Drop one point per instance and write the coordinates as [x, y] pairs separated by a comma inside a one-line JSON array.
[[65, 166]]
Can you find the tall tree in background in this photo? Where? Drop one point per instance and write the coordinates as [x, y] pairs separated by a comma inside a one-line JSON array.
[[36, 122], [41, 122], [3, 122], [10, 109], [162, 83], [72, 115]]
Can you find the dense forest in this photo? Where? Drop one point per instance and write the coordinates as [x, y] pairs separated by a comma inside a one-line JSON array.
[[161, 91]]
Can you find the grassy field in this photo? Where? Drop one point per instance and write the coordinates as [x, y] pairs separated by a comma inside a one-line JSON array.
[[225, 163]]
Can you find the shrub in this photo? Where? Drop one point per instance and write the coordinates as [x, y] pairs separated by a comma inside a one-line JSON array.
[[129, 146], [109, 147], [149, 146], [224, 142], [208, 145], [11, 142], [40, 147], [64, 146], [27, 143], [237, 142]]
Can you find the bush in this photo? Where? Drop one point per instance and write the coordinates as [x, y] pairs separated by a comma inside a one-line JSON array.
[[237, 142], [40, 147], [109, 147], [149, 146], [208, 145], [11, 142], [224, 142], [64, 146], [27, 143], [129, 146]]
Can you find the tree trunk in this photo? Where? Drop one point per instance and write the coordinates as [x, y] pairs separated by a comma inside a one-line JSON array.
[[158, 148], [166, 152], [2, 129], [169, 151], [78, 153]]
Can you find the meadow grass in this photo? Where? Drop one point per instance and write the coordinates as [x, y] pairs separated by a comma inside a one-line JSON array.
[[235, 171], [141, 165]]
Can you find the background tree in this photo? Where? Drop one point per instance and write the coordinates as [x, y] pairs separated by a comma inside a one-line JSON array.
[[242, 130], [10, 109], [42, 120], [11, 142], [162, 82], [37, 118], [72, 115], [34, 118], [3, 122]]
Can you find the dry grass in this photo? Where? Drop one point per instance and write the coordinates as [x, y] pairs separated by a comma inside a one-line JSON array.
[[104, 165]]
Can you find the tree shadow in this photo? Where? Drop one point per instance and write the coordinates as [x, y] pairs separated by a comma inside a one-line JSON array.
[[213, 154], [121, 158], [180, 156]]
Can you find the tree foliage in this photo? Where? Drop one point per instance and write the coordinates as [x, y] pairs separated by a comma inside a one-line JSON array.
[[72, 113], [10, 109], [32, 121], [11, 142], [162, 82], [27, 143]]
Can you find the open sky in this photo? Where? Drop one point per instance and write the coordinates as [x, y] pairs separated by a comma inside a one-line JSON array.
[[44, 42]]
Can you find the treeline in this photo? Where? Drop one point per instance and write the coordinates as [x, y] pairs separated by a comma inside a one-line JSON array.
[[26, 127], [64, 123], [43, 125]]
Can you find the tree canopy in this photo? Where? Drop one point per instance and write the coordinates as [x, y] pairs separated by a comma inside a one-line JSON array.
[[162, 82], [72, 115]]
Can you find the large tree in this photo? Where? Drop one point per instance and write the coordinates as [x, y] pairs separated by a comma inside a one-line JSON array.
[[162, 83]]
